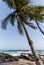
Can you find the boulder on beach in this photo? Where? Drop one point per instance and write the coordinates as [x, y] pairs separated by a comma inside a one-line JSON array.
[[7, 58], [28, 56]]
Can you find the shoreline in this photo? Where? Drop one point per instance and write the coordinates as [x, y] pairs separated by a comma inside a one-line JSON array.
[[23, 59]]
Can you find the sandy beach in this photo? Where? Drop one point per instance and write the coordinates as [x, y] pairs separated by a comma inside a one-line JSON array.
[[19, 63]]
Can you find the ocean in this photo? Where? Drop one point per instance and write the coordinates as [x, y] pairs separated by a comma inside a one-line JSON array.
[[18, 52]]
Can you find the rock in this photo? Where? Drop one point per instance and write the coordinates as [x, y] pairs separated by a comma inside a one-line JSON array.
[[7, 58], [26, 56]]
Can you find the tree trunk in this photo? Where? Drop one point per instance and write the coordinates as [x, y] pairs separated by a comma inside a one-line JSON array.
[[36, 56]]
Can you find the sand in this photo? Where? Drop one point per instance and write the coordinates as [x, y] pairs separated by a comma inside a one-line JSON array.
[[19, 63]]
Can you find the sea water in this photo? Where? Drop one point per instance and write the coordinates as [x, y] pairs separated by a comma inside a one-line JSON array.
[[18, 52]]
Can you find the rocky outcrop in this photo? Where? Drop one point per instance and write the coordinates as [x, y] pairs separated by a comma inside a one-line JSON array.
[[4, 57], [7, 58], [29, 56]]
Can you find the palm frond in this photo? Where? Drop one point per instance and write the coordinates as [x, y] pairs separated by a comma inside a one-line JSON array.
[[20, 29], [26, 21], [34, 12], [10, 17], [39, 28], [30, 25], [14, 4], [21, 3], [9, 3], [29, 12], [33, 8]]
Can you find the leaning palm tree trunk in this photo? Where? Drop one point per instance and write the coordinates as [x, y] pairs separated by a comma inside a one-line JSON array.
[[36, 56]]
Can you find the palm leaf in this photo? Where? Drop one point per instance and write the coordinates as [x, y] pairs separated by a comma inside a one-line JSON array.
[[31, 25], [20, 30], [21, 3], [23, 18], [34, 12], [8, 2], [32, 8], [14, 4], [39, 27], [10, 17]]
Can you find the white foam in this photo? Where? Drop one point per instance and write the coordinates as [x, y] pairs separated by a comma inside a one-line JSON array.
[[18, 53], [15, 54]]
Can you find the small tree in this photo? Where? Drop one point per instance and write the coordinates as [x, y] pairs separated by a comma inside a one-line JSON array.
[[25, 13]]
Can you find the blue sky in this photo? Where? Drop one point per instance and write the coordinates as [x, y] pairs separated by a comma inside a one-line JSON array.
[[10, 39]]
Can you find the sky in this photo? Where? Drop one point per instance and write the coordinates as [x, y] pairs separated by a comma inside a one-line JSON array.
[[10, 38]]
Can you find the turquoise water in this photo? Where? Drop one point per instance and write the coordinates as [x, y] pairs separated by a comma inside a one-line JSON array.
[[1, 51], [14, 51], [17, 52]]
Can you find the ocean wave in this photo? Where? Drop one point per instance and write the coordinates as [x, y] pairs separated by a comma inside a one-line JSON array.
[[18, 52]]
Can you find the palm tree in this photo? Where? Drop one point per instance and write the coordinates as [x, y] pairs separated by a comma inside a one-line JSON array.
[[24, 14]]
